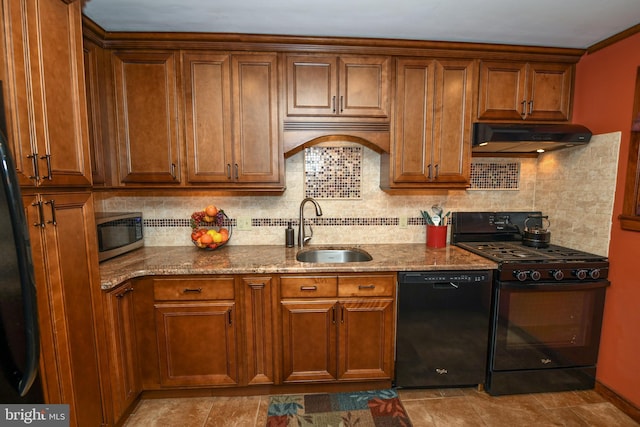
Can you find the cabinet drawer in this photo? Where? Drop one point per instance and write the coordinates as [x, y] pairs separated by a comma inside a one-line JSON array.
[[366, 286], [308, 287], [193, 289]]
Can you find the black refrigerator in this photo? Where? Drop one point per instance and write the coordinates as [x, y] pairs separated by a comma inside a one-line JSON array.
[[19, 337]]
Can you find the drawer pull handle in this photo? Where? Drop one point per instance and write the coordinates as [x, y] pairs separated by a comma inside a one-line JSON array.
[[192, 291], [365, 287], [309, 288], [125, 292]]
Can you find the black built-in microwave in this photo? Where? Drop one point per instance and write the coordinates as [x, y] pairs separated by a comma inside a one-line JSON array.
[[118, 233]]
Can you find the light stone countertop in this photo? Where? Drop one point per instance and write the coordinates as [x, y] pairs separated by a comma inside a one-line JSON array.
[[272, 259]]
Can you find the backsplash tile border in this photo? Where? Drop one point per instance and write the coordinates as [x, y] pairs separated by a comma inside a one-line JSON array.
[[284, 222]]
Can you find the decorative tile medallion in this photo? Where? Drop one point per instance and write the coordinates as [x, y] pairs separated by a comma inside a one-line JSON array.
[[333, 172], [495, 176]]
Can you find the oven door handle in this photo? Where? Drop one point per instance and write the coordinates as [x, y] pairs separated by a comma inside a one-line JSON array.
[[550, 286]]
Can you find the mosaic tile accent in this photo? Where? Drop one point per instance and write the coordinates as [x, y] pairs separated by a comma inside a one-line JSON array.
[[333, 172], [495, 176], [283, 222]]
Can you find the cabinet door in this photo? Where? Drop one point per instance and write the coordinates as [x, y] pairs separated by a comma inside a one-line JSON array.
[[550, 87], [66, 272], [207, 97], [95, 87], [502, 94], [366, 339], [125, 379], [146, 115], [46, 105], [59, 93], [363, 86], [15, 88], [197, 343], [309, 351], [452, 121], [258, 329], [312, 85], [257, 150], [413, 146]]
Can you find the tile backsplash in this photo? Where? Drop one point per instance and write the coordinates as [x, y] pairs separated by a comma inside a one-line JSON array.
[[374, 216]]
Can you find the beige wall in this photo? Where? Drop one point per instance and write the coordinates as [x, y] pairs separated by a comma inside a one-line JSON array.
[[532, 194]]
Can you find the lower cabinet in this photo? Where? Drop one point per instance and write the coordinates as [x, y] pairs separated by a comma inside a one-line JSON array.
[[196, 326], [124, 373], [337, 328]]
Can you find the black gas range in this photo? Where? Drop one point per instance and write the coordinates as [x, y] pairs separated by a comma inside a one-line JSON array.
[[498, 236], [547, 305]]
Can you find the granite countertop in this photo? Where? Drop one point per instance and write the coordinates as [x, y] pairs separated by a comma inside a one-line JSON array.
[[272, 259]]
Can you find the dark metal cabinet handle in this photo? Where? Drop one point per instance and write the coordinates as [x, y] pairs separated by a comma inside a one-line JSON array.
[[341, 104], [41, 222], [523, 112], [230, 314], [52, 203], [173, 171], [333, 104], [36, 168], [308, 288], [125, 292], [531, 107], [429, 171], [236, 170], [333, 314], [367, 287], [341, 313], [47, 157], [437, 170], [192, 291]]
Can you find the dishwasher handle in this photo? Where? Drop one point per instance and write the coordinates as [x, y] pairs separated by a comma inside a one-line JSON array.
[[445, 285]]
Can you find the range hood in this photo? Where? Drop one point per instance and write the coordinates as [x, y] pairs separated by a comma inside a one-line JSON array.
[[517, 139]]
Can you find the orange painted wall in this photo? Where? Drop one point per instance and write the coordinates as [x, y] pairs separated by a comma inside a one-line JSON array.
[[604, 86]]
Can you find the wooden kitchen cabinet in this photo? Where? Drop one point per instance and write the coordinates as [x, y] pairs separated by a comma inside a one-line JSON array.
[[44, 92], [146, 110], [196, 326], [337, 328], [432, 144], [63, 246], [231, 121], [258, 329], [124, 374], [338, 86], [525, 91]]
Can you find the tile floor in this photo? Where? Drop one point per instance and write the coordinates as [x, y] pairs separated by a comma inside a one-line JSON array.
[[426, 408]]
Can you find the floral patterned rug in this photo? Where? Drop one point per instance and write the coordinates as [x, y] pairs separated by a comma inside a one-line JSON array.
[[377, 408]]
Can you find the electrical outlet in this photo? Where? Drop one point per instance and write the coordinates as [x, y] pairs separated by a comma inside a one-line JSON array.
[[402, 222], [244, 223]]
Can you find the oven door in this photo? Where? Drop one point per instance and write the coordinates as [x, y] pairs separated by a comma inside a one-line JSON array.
[[546, 325]]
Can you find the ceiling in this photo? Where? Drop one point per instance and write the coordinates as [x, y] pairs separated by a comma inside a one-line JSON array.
[[555, 23]]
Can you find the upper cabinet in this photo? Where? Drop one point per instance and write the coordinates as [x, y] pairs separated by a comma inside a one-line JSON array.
[[231, 120], [44, 93], [432, 126], [146, 105], [525, 91], [338, 86]]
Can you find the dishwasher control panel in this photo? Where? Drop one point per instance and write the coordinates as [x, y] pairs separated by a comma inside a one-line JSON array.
[[414, 277]]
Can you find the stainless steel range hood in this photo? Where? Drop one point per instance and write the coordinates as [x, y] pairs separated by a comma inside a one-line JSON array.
[[516, 139]]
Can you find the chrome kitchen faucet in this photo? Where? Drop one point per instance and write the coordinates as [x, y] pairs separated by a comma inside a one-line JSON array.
[[302, 239]]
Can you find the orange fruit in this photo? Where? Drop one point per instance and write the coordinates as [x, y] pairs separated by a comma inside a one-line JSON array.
[[224, 233], [211, 210], [205, 239]]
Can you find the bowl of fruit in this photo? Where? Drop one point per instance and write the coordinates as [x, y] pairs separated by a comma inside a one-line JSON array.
[[210, 228]]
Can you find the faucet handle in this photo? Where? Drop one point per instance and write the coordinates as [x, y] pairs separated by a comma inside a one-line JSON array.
[[307, 238]]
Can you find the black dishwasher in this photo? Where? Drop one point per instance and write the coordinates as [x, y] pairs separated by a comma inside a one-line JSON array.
[[443, 328]]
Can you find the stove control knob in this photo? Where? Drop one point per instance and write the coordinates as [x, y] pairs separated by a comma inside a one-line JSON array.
[[535, 275], [557, 274], [581, 274], [595, 273], [520, 275]]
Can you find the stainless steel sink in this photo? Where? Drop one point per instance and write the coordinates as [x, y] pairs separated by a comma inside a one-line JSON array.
[[333, 255]]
